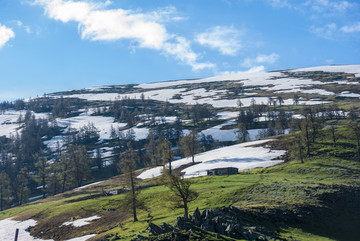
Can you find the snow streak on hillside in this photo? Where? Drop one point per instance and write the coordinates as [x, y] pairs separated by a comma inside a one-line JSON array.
[[243, 156], [276, 82], [8, 228]]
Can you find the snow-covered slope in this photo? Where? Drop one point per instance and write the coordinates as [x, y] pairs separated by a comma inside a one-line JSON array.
[[275, 82], [313, 85], [242, 156]]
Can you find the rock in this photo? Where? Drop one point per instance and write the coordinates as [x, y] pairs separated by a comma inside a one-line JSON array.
[[167, 227], [196, 218], [207, 227], [155, 230]]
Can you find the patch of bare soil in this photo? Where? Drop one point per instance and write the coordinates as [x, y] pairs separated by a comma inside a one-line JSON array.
[[53, 228]]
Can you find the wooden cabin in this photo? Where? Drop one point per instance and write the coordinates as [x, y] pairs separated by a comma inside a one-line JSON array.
[[223, 171]]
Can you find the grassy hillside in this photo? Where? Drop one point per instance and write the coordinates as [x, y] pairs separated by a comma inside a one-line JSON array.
[[316, 200]]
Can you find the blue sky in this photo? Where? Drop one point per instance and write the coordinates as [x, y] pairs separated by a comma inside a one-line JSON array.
[[54, 45]]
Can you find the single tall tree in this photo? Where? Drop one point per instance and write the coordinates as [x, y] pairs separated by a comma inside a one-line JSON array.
[[43, 172], [354, 129], [166, 154], [190, 145], [4, 190], [181, 194], [127, 166], [242, 133]]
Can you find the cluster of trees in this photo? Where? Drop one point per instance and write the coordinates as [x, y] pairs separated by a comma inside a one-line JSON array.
[[58, 107], [28, 168], [180, 194], [277, 120], [309, 129]]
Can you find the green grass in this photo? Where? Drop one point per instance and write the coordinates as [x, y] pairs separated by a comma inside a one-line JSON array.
[[289, 187]]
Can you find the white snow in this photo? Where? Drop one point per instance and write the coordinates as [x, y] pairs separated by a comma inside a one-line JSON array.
[[54, 143], [8, 121], [35, 198], [140, 133], [221, 135], [271, 81], [353, 69], [83, 238], [88, 185], [81, 222], [242, 156], [8, 228], [311, 91], [104, 151], [102, 123], [348, 94], [227, 115]]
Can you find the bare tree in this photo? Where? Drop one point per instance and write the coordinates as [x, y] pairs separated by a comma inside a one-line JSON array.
[[297, 149], [181, 194], [354, 129], [43, 172], [166, 154], [242, 133], [4, 190], [127, 166], [332, 130], [190, 145]]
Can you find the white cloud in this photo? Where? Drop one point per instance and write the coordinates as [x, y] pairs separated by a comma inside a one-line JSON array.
[[351, 28], [167, 14], [182, 51], [328, 31], [5, 35], [27, 29], [223, 38], [279, 3], [97, 23], [329, 6], [260, 59]]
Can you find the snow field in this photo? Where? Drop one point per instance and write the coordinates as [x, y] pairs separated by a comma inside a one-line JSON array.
[[8, 228], [88, 185], [243, 156], [352, 69], [9, 118], [81, 222]]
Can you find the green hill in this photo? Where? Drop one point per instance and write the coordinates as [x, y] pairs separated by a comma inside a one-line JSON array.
[[314, 200]]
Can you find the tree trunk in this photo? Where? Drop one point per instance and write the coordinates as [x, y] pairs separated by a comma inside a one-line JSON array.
[[133, 197], [43, 189], [170, 170], [186, 213], [333, 136], [307, 137], [1, 198]]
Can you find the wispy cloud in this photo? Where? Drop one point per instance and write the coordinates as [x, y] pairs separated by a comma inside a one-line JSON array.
[[5, 35], [327, 32], [329, 6], [180, 48], [25, 27], [351, 28], [225, 39], [97, 23], [260, 59], [325, 7], [279, 3]]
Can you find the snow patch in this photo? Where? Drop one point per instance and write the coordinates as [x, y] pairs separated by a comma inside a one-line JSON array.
[[83, 238], [242, 156], [8, 228], [81, 222]]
